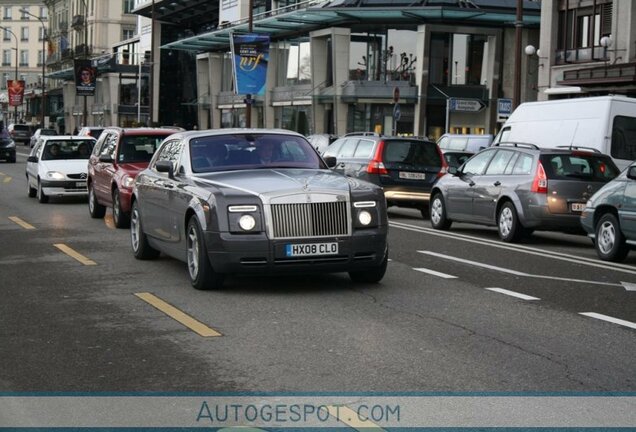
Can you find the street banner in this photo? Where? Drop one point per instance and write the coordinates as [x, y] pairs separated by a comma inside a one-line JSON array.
[[16, 92], [251, 55], [85, 78]]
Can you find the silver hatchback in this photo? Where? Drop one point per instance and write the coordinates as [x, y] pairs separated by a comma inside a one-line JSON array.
[[520, 188]]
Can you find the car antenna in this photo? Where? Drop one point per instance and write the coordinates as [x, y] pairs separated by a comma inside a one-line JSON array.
[[573, 135]]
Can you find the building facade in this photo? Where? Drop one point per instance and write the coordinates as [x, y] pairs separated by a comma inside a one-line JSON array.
[[334, 67], [23, 50]]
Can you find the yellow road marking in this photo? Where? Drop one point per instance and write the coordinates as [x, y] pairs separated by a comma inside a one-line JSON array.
[[108, 220], [2, 174], [349, 417], [22, 223], [73, 254], [177, 315], [7, 179]]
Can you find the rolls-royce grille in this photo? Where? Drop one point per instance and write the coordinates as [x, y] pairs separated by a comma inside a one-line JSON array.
[[310, 220]]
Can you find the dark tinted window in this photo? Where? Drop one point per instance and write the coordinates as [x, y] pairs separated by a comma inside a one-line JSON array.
[[139, 148], [624, 138], [67, 149], [579, 166], [411, 152], [21, 128]]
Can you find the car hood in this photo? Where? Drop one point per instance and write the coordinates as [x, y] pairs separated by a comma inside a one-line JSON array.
[[65, 166], [276, 182], [132, 169]]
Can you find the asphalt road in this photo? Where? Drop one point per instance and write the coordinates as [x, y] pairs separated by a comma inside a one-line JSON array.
[[434, 323]]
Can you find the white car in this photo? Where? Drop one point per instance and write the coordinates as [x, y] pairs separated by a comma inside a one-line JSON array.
[[58, 166], [40, 132]]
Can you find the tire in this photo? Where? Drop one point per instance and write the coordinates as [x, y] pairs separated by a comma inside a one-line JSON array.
[[610, 242], [138, 239], [508, 225], [202, 275], [31, 192], [372, 275], [42, 198], [96, 210], [12, 160], [425, 212], [120, 218], [439, 220]]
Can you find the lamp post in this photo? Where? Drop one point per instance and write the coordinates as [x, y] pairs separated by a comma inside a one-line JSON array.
[[24, 10], [15, 120]]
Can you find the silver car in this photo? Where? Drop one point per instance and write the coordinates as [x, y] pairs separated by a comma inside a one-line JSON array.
[[256, 201], [520, 188]]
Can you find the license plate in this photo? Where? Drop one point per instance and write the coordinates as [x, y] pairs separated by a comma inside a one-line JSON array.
[[80, 184], [412, 175], [309, 249], [578, 207]]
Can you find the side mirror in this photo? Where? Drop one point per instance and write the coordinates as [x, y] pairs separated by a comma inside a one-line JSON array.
[[32, 159], [453, 170], [165, 166], [106, 159], [331, 161], [631, 173]]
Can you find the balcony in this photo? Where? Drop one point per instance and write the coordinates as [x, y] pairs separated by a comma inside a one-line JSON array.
[[580, 55], [624, 73]]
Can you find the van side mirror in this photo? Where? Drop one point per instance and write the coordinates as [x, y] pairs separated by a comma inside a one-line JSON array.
[[631, 173], [32, 159], [331, 161], [165, 166]]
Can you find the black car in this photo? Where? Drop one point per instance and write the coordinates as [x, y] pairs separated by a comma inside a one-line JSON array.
[[405, 167], [7, 150], [256, 201], [20, 133]]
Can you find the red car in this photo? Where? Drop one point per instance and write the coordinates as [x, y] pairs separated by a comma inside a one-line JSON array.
[[118, 156]]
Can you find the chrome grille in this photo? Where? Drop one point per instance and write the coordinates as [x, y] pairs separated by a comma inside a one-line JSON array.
[[310, 219]]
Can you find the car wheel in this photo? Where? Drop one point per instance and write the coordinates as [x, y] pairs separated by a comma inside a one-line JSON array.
[[425, 212], [31, 192], [202, 275], [372, 275], [120, 218], [610, 242], [510, 229], [438, 213], [42, 198], [138, 239], [96, 210]]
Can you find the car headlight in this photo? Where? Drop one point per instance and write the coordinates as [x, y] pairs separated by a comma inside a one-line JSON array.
[[128, 182], [366, 214], [244, 219], [55, 175]]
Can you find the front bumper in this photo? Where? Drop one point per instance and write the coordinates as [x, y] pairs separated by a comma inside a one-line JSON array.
[[232, 253], [7, 153], [64, 187], [587, 221], [125, 196]]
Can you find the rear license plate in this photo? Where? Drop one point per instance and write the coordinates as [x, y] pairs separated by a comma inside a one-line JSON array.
[[80, 184], [412, 175], [578, 207], [309, 249]]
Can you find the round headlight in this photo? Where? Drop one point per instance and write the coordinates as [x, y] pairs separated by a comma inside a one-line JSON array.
[[364, 217], [247, 222]]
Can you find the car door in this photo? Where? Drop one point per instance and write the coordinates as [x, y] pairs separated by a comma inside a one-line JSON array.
[[488, 186], [32, 167], [459, 195], [104, 171]]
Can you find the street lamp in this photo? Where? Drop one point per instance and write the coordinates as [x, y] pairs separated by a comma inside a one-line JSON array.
[[16, 65], [24, 10]]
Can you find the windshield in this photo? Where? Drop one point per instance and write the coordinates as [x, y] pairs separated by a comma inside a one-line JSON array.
[[252, 151], [139, 148], [67, 149]]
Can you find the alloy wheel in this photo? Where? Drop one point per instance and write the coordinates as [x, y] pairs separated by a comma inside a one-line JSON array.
[[436, 211], [606, 237], [193, 252], [505, 221], [135, 229]]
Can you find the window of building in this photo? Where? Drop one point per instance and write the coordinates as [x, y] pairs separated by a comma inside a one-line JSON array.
[[6, 34], [7, 13], [6, 57], [5, 78], [24, 34], [388, 55], [227, 82], [40, 57], [44, 12], [41, 34], [581, 29], [23, 13], [129, 5], [295, 58], [24, 58], [128, 33], [457, 59]]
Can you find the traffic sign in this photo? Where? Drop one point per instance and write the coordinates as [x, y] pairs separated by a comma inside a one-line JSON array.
[[396, 112], [466, 105], [504, 107]]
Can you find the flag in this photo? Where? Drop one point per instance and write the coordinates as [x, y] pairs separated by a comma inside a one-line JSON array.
[[251, 55]]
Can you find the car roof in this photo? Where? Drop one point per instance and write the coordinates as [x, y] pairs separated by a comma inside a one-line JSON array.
[[141, 131], [66, 137]]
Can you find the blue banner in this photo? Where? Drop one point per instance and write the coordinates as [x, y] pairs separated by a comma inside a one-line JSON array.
[[251, 55]]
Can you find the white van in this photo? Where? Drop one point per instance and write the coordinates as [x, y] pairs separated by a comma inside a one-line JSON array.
[[604, 123]]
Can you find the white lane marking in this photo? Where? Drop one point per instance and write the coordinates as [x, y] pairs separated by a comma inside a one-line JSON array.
[[435, 273], [629, 286], [513, 294], [22, 154], [514, 272], [625, 268], [609, 319]]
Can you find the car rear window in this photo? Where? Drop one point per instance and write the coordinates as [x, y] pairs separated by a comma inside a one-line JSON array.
[[412, 152], [21, 128], [139, 148], [580, 165]]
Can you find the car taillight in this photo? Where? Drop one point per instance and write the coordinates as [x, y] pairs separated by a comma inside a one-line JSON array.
[[375, 165], [540, 182], [444, 169]]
